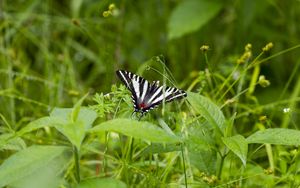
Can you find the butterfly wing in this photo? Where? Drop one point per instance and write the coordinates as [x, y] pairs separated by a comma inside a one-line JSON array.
[[157, 94], [137, 85], [147, 96]]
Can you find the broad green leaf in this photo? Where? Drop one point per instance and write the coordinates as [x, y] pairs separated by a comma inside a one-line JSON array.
[[40, 123], [137, 129], [74, 131], [202, 134], [208, 110], [30, 161], [48, 176], [203, 158], [86, 115], [238, 145], [101, 182], [201, 145], [278, 136], [160, 148], [191, 15]]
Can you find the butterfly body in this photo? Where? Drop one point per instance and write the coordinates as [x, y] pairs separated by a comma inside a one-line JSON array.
[[146, 95]]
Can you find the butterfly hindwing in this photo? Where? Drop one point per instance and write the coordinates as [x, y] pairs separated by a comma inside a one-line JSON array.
[[159, 93], [145, 95]]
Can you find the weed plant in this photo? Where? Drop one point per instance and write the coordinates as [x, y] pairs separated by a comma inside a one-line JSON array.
[[66, 120]]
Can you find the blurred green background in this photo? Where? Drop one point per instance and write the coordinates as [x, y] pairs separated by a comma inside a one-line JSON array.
[[52, 51]]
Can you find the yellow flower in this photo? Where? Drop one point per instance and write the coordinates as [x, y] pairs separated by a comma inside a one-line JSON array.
[[263, 82], [106, 14], [204, 48], [111, 7], [268, 47]]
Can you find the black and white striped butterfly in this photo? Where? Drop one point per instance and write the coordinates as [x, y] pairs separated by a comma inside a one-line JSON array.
[[145, 95]]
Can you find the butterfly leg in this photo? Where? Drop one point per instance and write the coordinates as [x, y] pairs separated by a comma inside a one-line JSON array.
[[132, 114], [142, 114]]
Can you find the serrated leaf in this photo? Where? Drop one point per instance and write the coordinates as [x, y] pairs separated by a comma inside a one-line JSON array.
[[208, 110], [9, 141], [101, 182], [137, 129], [279, 136], [74, 131], [238, 145], [28, 162], [191, 15]]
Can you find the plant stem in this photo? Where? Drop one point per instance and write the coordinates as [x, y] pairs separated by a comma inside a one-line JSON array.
[[185, 179], [77, 169], [272, 56], [221, 166]]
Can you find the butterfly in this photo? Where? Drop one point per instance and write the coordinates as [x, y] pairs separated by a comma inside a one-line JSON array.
[[146, 95]]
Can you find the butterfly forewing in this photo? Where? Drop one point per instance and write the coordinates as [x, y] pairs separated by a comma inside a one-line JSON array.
[[146, 96], [137, 85]]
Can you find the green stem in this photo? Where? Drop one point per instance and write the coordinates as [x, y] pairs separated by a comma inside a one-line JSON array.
[[225, 82], [105, 151], [272, 56], [254, 63], [221, 166], [254, 79], [240, 86], [185, 178], [210, 78], [77, 169]]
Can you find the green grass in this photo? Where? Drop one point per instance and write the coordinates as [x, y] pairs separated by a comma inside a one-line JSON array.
[[65, 118]]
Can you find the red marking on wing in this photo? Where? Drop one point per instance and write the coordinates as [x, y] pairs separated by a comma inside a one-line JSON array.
[[142, 105]]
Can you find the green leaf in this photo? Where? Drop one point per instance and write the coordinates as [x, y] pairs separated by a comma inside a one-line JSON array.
[[278, 136], [202, 157], [202, 134], [9, 141], [86, 115], [238, 145], [77, 107], [160, 148], [208, 110], [201, 144], [101, 182], [137, 129], [40, 123], [74, 131], [31, 161], [191, 15]]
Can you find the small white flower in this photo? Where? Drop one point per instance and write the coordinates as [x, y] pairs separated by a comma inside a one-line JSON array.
[[107, 95], [286, 110]]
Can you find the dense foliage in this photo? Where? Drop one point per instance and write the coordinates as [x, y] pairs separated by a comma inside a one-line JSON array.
[[66, 120]]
